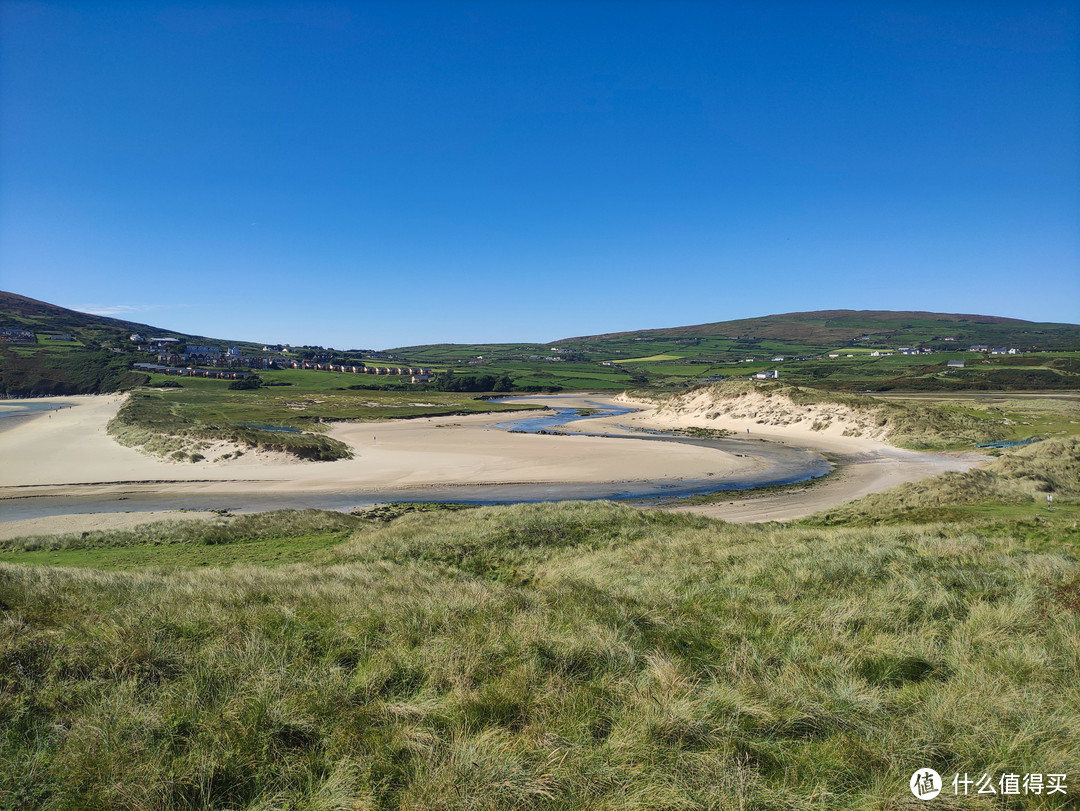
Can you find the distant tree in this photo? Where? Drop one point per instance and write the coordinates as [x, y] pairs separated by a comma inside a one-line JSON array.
[[252, 382], [445, 380]]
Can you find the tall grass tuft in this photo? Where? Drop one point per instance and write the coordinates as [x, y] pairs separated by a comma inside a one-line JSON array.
[[547, 656]]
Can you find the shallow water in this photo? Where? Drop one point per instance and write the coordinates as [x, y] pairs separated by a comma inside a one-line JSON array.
[[785, 465], [21, 408]]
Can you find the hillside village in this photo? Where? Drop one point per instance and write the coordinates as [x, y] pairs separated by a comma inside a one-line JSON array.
[[176, 358]]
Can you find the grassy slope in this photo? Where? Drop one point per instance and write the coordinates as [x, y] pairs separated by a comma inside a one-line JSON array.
[[40, 371], [88, 366], [547, 656], [20, 312], [1010, 487], [671, 358], [824, 327]]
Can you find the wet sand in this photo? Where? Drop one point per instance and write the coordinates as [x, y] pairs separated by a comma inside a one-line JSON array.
[[68, 459]]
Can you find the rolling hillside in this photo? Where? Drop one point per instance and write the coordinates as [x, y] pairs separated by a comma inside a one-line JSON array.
[[830, 327], [844, 350], [20, 312], [99, 355], [94, 356]]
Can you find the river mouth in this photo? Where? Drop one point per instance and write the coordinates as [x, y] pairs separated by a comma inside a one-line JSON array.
[[779, 464], [12, 411], [550, 423]]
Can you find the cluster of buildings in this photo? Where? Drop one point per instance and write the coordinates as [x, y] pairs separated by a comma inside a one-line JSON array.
[[17, 336], [224, 364], [198, 356], [997, 350], [180, 371], [168, 354], [922, 350], [903, 350], [417, 374]]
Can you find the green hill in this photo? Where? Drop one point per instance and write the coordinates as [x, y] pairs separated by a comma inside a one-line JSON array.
[[99, 354], [95, 331], [830, 327], [845, 350], [71, 352]]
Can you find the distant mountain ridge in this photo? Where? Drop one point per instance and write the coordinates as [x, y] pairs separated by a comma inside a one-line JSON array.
[[827, 327], [50, 350], [819, 326]]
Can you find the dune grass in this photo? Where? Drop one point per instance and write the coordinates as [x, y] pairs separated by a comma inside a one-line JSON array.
[[1014, 485], [918, 422], [265, 539], [160, 425], [183, 422], [560, 656]]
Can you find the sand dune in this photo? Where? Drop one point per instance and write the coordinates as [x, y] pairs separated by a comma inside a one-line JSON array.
[[865, 463]]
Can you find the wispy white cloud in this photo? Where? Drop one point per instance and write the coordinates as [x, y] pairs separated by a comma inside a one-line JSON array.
[[115, 309]]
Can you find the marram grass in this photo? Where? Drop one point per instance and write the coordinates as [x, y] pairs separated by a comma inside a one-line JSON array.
[[1015, 485], [555, 656]]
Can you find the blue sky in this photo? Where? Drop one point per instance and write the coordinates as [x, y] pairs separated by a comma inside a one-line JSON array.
[[383, 174]]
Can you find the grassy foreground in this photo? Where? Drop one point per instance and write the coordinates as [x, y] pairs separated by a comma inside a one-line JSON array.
[[543, 656]]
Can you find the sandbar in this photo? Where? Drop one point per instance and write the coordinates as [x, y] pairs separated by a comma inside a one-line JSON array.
[[68, 454]]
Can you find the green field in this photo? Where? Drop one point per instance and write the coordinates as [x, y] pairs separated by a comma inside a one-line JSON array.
[[559, 656], [676, 363]]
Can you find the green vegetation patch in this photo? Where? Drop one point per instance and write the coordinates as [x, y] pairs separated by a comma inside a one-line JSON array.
[[649, 359], [270, 538], [1015, 485], [544, 656], [41, 371], [181, 422], [160, 424]]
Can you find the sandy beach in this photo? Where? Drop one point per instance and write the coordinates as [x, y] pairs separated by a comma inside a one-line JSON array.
[[865, 464], [67, 453], [53, 453]]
